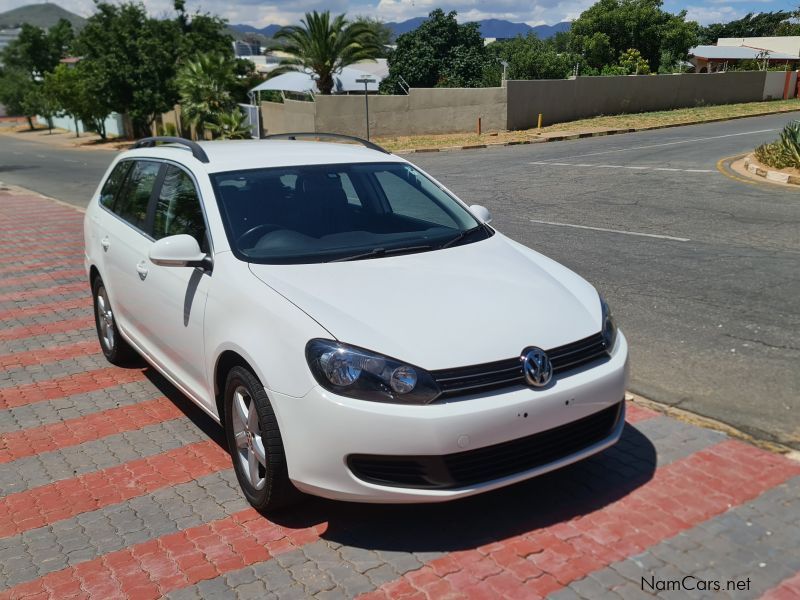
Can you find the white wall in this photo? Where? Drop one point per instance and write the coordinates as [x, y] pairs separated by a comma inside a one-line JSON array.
[[114, 125]]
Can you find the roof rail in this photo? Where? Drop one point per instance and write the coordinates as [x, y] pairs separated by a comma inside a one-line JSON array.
[[334, 136], [196, 149]]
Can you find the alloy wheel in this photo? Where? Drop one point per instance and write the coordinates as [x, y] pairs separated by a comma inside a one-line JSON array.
[[250, 449]]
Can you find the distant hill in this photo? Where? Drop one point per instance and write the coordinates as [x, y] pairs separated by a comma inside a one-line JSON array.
[[267, 31], [494, 28], [491, 28], [41, 15]]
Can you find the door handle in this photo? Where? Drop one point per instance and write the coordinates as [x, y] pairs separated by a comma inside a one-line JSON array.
[[105, 243], [142, 270]]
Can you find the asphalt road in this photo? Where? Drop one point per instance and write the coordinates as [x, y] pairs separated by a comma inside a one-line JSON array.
[[702, 271]]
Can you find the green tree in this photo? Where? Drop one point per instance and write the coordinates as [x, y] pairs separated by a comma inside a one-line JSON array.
[[325, 46], [607, 29], [751, 25], [134, 56], [440, 52], [204, 86], [230, 125], [74, 91], [201, 32], [15, 85], [37, 51], [632, 63], [530, 58]]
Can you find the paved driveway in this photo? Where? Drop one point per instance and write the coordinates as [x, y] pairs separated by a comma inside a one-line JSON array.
[[113, 485]]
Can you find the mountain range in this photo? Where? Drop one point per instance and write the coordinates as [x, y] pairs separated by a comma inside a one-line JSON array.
[[47, 14], [41, 15], [490, 28]]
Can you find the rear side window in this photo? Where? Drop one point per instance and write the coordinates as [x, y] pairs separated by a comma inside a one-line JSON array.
[[113, 184], [135, 195], [178, 207]]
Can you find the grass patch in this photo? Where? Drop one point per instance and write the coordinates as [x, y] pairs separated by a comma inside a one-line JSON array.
[[680, 116]]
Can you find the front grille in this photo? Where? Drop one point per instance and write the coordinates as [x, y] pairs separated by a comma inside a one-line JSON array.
[[503, 373], [486, 464]]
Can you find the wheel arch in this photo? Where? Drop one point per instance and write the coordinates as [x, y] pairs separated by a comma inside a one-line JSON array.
[[94, 273], [226, 361]]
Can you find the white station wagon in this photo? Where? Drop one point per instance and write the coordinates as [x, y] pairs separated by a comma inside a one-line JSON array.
[[360, 332]]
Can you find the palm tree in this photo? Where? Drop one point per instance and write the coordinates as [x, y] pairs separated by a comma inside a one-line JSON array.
[[204, 86], [231, 125], [325, 46]]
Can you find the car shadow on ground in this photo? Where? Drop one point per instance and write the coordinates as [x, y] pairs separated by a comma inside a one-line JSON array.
[[555, 497]]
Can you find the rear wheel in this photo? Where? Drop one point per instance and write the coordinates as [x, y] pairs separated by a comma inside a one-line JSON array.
[[116, 350], [255, 443]]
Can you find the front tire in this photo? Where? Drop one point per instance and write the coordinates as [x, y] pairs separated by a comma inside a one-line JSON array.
[[116, 350], [255, 444]]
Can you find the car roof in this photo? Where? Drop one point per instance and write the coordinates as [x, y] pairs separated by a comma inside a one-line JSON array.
[[237, 155]]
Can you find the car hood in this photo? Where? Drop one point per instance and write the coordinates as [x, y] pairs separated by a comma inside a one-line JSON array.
[[459, 306]]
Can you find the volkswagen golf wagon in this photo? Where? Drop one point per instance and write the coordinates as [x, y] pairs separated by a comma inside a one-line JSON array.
[[358, 331]]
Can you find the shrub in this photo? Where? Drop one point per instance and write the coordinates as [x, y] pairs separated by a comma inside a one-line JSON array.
[[785, 152], [790, 142], [773, 155]]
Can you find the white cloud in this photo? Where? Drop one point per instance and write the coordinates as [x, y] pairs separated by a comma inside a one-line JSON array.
[[718, 14]]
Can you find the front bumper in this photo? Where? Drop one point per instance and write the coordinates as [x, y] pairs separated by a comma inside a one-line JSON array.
[[322, 430]]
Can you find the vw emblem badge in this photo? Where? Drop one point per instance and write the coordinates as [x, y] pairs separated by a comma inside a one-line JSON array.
[[536, 366]]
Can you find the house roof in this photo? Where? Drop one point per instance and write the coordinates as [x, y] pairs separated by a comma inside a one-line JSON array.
[[345, 81], [736, 53]]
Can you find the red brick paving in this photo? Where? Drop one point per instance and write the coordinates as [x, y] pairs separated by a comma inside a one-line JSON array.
[[635, 413], [69, 497], [58, 290], [682, 494], [12, 397], [28, 442], [529, 565], [154, 568], [26, 331], [49, 354], [789, 589], [38, 277], [46, 307]]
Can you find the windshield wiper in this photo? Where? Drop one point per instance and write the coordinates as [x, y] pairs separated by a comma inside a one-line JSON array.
[[381, 252], [461, 235]]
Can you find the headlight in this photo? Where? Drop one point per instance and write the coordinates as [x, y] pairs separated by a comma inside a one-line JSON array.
[[609, 326], [359, 373]]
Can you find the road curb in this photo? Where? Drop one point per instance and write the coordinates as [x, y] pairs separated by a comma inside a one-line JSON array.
[[588, 134], [19, 190], [709, 423], [760, 170]]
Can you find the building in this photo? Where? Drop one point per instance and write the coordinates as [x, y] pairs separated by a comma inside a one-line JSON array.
[[767, 51], [7, 36], [243, 49]]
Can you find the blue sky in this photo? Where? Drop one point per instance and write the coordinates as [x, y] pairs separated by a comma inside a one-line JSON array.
[[534, 12]]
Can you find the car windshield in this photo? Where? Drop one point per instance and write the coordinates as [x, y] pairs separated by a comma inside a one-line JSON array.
[[321, 213]]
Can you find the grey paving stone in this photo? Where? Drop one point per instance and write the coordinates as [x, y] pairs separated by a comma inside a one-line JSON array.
[[99, 532], [41, 469], [54, 411]]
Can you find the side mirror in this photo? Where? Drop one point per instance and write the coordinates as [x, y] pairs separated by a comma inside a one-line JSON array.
[[178, 251], [481, 213]]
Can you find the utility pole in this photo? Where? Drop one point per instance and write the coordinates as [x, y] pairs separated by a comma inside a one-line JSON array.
[[365, 81]]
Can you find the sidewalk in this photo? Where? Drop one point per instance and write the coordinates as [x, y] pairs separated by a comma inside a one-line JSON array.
[[60, 138]]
